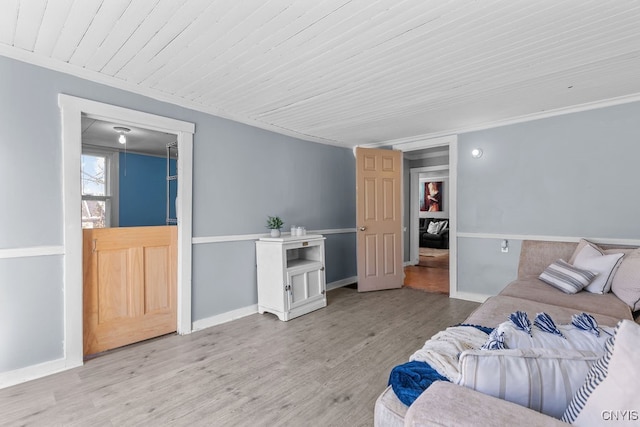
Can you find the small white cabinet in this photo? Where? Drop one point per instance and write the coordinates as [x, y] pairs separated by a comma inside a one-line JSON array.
[[291, 279]]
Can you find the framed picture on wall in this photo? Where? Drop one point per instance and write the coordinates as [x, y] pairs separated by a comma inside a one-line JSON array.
[[431, 196]]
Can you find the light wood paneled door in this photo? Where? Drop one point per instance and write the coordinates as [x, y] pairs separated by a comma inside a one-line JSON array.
[[378, 178], [129, 285]]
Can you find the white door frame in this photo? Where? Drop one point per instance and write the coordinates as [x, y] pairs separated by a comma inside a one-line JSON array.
[[450, 141], [71, 109], [414, 209]]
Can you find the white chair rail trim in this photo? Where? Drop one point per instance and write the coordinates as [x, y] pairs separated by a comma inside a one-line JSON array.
[[244, 237], [31, 251], [600, 240]]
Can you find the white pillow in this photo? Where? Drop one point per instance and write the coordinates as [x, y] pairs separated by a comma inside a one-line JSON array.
[[610, 391], [537, 378], [574, 338], [432, 228], [626, 282], [442, 225], [590, 258], [566, 277]]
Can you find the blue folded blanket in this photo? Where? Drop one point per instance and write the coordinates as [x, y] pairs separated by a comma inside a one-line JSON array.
[[484, 329], [410, 379]]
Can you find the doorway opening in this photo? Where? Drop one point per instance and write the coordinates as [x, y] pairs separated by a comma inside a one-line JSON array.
[[428, 267], [129, 234], [426, 163], [72, 110]]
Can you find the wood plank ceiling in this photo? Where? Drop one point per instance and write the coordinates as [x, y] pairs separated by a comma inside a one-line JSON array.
[[343, 72]]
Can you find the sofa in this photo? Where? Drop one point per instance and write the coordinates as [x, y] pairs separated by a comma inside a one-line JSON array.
[[434, 233], [447, 403]]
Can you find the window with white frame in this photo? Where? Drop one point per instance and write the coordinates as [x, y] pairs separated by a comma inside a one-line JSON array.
[[99, 188]]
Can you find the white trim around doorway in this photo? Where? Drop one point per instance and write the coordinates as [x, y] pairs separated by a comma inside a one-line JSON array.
[[450, 141], [72, 108]]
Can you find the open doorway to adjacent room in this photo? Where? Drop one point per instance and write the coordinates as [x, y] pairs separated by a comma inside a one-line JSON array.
[[129, 189], [427, 210]]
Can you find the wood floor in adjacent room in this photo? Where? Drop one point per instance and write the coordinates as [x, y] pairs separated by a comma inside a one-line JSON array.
[[431, 274], [323, 369]]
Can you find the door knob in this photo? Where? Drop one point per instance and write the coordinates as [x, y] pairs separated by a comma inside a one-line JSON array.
[[363, 228]]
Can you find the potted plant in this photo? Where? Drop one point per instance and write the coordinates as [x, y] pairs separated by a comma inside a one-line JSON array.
[[274, 224]]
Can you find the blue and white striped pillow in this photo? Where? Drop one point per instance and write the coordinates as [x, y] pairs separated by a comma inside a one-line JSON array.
[[610, 390], [566, 277]]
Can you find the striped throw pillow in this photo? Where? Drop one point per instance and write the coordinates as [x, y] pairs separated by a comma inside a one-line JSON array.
[[566, 277], [541, 379], [610, 390]]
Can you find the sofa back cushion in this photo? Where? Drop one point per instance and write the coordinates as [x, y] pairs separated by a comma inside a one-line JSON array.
[[535, 255]]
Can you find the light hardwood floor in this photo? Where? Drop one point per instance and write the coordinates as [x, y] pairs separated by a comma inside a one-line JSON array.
[[322, 369], [431, 274]]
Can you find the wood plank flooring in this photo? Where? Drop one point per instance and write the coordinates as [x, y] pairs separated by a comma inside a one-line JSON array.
[[431, 274], [323, 369]]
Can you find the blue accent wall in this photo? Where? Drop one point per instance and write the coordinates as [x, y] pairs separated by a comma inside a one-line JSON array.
[[143, 191]]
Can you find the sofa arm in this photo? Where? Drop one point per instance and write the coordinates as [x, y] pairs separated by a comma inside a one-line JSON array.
[[445, 403]]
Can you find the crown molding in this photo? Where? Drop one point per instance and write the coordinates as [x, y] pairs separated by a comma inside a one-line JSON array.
[[408, 141]]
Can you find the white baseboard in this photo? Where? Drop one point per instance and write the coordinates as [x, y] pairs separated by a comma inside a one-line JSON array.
[[252, 309], [19, 376], [228, 316], [411, 263], [342, 282], [469, 296]]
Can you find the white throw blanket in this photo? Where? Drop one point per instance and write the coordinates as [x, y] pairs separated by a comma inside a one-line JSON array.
[[443, 349]]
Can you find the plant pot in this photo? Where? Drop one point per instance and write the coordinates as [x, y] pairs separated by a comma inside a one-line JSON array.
[[275, 232]]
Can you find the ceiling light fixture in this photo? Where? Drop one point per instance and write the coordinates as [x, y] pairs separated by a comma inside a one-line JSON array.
[[122, 139], [476, 153]]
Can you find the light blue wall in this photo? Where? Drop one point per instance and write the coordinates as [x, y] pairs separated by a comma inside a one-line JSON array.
[[483, 268], [574, 175], [241, 175], [143, 190], [30, 158], [31, 311]]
